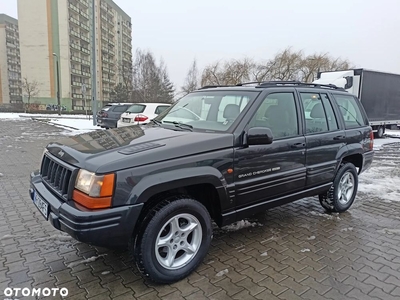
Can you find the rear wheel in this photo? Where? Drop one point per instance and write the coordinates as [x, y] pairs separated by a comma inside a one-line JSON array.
[[343, 191], [380, 132], [173, 239]]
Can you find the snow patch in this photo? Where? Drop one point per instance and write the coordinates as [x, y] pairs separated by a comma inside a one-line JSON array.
[[1, 174], [81, 262], [347, 229], [9, 116], [305, 250], [241, 225], [326, 216], [55, 237], [389, 231], [379, 143], [382, 182], [222, 273], [311, 238], [264, 253], [105, 272]]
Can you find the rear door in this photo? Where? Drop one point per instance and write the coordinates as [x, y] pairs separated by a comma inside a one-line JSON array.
[[324, 137], [264, 172]]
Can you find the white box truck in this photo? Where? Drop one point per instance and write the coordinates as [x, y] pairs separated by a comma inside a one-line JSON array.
[[379, 93]]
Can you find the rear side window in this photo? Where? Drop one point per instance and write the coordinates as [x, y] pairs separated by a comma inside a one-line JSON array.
[[160, 109], [318, 113], [136, 108], [350, 110], [121, 108]]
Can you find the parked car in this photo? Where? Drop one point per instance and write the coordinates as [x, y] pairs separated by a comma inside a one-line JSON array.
[[109, 115], [141, 113], [157, 188]]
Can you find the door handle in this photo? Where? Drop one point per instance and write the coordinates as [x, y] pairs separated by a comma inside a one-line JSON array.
[[298, 145], [339, 137]]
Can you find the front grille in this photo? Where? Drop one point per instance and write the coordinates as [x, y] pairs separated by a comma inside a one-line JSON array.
[[55, 175]]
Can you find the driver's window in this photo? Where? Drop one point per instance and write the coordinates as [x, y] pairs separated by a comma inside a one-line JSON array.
[[278, 113]]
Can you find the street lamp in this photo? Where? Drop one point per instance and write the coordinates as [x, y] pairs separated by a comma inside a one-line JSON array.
[[58, 86]]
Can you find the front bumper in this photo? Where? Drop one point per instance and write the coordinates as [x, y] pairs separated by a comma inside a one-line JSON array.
[[107, 228]]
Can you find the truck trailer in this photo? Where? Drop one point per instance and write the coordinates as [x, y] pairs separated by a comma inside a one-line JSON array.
[[378, 91]]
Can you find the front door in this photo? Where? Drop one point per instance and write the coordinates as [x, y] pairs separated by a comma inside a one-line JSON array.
[[264, 172]]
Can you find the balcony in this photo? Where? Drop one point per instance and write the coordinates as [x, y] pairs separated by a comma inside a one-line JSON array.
[[75, 33], [73, 7], [77, 96], [84, 2], [85, 50], [75, 21], [76, 71], [75, 46]]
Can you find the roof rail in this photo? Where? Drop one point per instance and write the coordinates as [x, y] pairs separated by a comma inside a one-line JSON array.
[[264, 84], [299, 83]]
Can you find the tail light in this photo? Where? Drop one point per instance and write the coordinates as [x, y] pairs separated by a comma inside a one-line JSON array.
[[371, 140], [140, 118]]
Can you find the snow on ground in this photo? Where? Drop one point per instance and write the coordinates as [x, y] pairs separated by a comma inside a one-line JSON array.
[[382, 181], [392, 133], [9, 116], [77, 124], [55, 115], [378, 143]]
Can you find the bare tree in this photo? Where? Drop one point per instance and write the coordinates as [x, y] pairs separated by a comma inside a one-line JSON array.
[[31, 89], [151, 82], [230, 72], [191, 81], [125, 70]]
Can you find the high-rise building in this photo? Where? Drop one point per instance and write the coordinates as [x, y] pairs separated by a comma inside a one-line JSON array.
[[57, 38], [10, 66]]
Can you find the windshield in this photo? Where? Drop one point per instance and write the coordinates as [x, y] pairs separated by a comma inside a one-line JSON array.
[[208, 110], [136, 108]]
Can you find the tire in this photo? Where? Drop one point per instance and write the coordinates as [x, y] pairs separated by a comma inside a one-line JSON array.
[[336, 200], [184, 248], [380, 132]]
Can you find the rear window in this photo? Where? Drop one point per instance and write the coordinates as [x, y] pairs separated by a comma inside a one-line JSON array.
[[106, 108], [121, 108], [160, 109], [136, 108], [350, 110]]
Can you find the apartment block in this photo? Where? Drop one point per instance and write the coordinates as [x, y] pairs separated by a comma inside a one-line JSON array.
[[10, 65], [60, 32]]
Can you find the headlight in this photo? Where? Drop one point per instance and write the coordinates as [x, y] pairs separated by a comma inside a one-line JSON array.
[[94, 185]]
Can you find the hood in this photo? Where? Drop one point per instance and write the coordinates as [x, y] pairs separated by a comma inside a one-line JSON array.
[[105, 151]]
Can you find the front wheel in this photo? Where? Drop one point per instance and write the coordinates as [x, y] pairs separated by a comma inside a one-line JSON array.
[[343, 191], [173, 239]]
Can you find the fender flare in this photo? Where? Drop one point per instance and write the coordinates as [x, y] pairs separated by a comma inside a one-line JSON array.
[[161, 182]]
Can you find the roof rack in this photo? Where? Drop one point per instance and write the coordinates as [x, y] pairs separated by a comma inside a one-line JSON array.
[[264, 84], [298, 83]]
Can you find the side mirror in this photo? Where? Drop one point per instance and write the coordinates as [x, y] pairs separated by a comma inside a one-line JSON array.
[[349, 82], [259, 136]]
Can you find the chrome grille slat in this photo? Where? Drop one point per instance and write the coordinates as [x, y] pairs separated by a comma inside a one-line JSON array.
[[55, 175]]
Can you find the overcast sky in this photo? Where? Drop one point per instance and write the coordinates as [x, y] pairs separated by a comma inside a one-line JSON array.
[[364, 31]]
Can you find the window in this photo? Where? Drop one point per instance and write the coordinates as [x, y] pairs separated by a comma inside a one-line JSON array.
[[136, 108], [318, 113], [278, 113], [210, 110], [121, 108], [350, 111], [160, 109]]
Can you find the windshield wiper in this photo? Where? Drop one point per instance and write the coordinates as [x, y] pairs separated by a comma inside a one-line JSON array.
[[181, 125], [156, 122]]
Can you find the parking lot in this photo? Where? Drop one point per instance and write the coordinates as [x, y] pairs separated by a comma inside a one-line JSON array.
[[295, 251]]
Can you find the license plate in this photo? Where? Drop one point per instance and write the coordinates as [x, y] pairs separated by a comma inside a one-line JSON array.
[[126, 120], [41, 205]]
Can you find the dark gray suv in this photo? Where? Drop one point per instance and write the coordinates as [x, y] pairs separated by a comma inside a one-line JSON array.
[[109, 115]]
